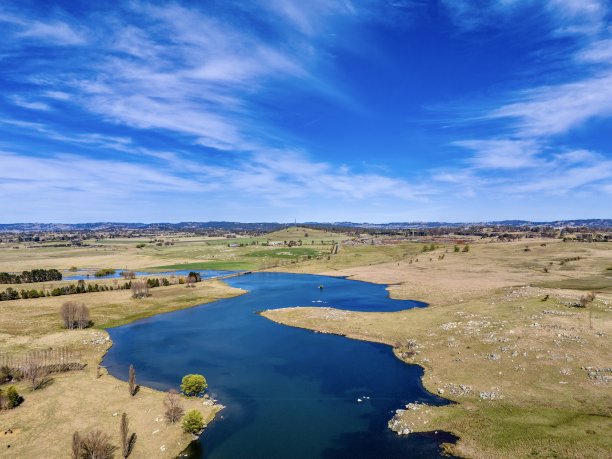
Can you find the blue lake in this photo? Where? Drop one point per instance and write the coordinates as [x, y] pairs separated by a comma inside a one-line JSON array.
[[289, 393], [205, 273]]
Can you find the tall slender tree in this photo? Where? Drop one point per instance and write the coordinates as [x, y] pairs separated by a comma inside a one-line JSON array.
[[127, 440], [132, 381]]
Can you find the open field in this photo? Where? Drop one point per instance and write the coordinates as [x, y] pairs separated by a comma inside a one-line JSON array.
[[531, 377], [179, 253], [79, 400], [42, 426]]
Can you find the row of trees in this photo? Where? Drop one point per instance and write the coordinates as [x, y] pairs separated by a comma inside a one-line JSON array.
[[72, 289], [27, 277], [138, 286]]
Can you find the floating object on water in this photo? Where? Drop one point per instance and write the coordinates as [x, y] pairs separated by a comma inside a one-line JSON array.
[[359, 400], [321, 287]]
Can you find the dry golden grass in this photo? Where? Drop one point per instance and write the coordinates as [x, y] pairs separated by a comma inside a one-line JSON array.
[[486, 331], [43, 425], [502, 338], [34, 317], [124, 254]]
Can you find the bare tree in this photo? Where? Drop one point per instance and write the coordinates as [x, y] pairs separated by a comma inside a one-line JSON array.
[[82, 317], [140, 288], [127, 440], [97, 445], [174, 409], [132, 381], [68, 313], [127, 275], [35, 372], [77, 447], [74, 315]]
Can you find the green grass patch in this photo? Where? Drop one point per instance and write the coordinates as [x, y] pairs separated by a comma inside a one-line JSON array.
[[595, 283], [104, 272], [284, 252], [544, 431], [213, 265]]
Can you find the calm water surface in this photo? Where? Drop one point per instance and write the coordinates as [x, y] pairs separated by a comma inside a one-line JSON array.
[[289, 393]]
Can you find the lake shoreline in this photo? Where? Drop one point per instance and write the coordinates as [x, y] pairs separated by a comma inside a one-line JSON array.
[[336, 291], [398, 428]]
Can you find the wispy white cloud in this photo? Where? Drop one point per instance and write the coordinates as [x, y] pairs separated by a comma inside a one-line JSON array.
[[585, 17], [185, 74], [599, 51], [580, 16], [55, 32], [31, 105], [556, 109], [523, 156], [501, 153]]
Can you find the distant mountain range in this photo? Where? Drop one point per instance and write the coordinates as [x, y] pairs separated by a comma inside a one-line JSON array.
[[271, 226]]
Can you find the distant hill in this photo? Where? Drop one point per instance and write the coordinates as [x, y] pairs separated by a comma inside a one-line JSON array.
[[107, 226], [273, 226]]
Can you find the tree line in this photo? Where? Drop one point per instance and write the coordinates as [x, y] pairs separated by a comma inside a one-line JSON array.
[[27, 277], [80, 287]]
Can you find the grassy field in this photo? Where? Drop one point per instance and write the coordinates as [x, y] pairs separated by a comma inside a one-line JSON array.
[[181, 253], [80, 400], [531, 377]]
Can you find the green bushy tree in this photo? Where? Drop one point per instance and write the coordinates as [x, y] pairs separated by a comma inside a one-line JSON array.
[[193, 422], [193, 384]]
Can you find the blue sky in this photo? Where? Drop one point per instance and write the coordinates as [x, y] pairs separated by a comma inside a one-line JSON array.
[[326, 110]]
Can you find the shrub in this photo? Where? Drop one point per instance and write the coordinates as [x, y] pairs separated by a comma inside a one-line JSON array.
[[104, 272], [193, 422], [193, 384], [8, 374], [586, 299], [14, 399], [456, 248], [466, 248], [97, 445]]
